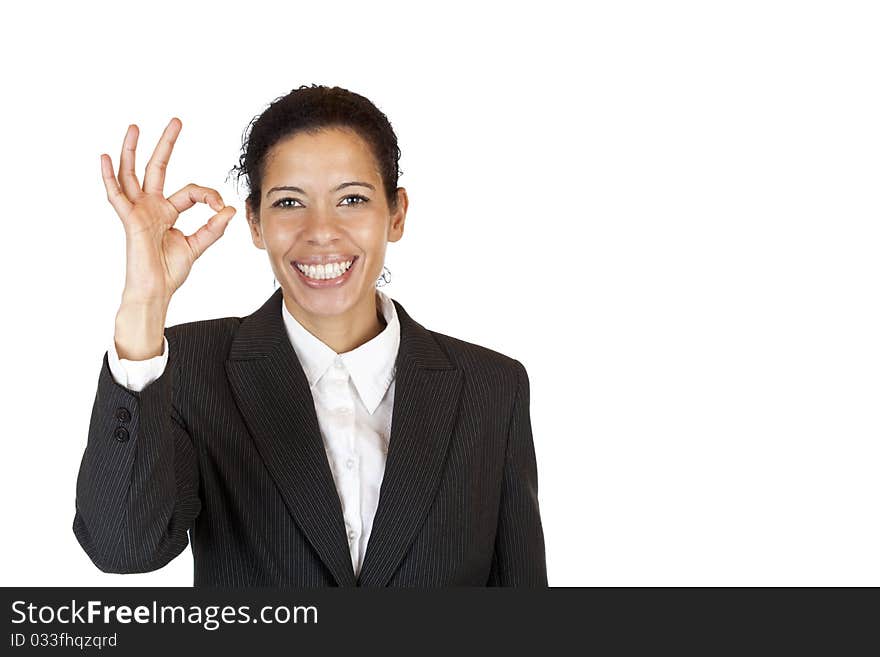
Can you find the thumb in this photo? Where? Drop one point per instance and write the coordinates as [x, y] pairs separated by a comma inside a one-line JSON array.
[[205, 236]]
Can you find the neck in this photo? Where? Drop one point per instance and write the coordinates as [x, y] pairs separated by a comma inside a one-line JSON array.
[[344, 332]]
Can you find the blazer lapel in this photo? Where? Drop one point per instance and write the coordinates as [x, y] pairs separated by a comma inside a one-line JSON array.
[[273, 395], [426, 393]]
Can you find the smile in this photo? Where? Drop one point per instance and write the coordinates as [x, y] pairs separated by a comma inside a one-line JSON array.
[[325, 274]]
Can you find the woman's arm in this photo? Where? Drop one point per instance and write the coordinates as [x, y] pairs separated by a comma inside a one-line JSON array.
[[137, 489], [519, 558]]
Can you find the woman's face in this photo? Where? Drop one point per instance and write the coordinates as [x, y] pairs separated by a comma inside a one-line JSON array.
[[323, 203]]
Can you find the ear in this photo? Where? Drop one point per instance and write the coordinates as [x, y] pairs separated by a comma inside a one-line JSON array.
[[253, 219], [398, 217]]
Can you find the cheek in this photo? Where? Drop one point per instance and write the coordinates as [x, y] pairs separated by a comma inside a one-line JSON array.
[[374, 250], [278, 236], [369, 234]]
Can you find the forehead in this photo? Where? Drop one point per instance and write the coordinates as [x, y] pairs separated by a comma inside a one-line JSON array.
[[330, 153]]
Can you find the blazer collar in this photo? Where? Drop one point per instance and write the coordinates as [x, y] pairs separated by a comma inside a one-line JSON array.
[[272, 392]]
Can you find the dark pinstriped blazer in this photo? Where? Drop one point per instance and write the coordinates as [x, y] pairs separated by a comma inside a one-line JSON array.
[[226, 445]]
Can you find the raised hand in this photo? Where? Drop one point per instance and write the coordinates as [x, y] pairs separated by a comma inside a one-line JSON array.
[[159, 257]]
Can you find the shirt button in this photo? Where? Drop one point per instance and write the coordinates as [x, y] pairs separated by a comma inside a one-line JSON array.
[[349, 464], [338, 364], [342, 410], [351, 534]]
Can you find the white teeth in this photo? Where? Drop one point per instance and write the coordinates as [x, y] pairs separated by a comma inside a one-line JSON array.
[[324, 272]]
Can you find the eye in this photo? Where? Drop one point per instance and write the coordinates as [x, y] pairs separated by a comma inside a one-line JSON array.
[[363, 199], [282, 202], [279, 202]]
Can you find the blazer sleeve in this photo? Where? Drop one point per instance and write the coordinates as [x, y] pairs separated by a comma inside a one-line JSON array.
[[519, 558], [138, 482]]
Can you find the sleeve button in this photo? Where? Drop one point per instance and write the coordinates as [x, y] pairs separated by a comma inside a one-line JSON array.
[[121, 434], [122, 414]]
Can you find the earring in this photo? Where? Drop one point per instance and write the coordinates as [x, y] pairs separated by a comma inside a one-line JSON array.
[[384, 278]]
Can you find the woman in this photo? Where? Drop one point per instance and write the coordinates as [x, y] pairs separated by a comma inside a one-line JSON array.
[[327, 439]]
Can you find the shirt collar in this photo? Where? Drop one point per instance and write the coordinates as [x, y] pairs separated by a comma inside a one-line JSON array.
[[370, 365]]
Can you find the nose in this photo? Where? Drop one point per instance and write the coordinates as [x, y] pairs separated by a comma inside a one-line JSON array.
[[321, 226]]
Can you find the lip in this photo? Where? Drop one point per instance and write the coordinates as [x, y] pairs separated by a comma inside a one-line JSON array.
[[333, 282], [325, 260]]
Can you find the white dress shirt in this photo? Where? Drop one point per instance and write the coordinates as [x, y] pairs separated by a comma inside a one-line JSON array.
[[354, 396]]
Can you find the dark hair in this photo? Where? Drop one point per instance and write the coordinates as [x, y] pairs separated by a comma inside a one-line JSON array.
[[310, 109]]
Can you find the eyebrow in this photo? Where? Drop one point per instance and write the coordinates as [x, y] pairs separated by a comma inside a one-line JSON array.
[[291, 188]]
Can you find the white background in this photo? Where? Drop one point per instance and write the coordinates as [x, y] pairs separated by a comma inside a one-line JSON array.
[[667, 211]]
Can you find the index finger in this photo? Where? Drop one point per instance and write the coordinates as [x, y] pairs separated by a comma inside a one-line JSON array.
[[114, 194], [154, 176]]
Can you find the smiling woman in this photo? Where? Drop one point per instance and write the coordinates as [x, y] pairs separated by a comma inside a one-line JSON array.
[[284, 443], [337, 232], [322, 167]]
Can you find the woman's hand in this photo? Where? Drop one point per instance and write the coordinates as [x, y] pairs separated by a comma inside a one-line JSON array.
[[159, 257]]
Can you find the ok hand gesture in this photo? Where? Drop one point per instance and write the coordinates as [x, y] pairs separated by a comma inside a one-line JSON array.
[[159, 257]]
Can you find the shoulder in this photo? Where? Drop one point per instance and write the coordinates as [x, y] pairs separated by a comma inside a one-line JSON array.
[[475, 359], [494, 382], [479, 363]]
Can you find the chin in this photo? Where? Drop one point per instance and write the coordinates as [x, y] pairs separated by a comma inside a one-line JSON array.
[[321, 302]]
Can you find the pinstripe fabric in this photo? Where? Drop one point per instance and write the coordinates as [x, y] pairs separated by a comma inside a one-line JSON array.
[[226, 444]]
